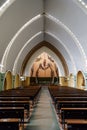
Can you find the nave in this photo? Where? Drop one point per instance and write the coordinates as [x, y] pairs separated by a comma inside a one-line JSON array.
[[44, 116], [43, 108], [43, 42]]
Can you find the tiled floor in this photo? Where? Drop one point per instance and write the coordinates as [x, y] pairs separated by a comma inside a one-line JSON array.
[[43, 117]]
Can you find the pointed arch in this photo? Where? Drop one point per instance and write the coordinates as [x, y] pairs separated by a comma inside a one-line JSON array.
[[52, 48], [80, 80], [8, 80], [17, 81]]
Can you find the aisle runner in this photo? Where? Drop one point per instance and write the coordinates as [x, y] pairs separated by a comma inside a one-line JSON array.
[[43, 117]]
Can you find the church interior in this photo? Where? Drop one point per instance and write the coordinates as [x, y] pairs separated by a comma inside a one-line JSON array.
[[43, 65]]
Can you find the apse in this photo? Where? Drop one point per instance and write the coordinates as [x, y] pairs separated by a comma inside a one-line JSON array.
[[44, 66]]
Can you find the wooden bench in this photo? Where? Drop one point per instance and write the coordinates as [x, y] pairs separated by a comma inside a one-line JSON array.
[[12, 112], [13, 98], [65, 93], [75, 124], [20, 93], [73, 113], [19, 97], [71, 104], [9, 124], [25, 104]]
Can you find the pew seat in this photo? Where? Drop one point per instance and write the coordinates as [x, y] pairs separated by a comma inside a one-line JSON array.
[[70, 104], [12, 112], [73, 113], [75, 124], [24, 103], [9, 124]]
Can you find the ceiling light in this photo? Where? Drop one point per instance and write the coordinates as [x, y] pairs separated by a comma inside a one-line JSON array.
[[79, 0], [83, 3], [85, 6]]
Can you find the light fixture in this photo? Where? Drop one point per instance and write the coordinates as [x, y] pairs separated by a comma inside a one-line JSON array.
[[79, 0], [1, 65], [83, 3], [22, 78]]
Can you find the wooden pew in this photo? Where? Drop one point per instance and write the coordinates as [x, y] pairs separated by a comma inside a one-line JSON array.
[[75, 124], [9, 124], [67, 93], [17, 103], [12, 112], [25, 104], [70, 104], [21, 92], [69, 99], [12, 98], [73, 113], [19, 97]]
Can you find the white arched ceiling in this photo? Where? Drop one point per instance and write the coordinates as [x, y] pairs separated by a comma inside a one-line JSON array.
[[26, 32], [71, 15], [59, 31], [25, 23], [62, 48], [4, 5], [14, 18], [37, 53], [37, 38], [33, 42]]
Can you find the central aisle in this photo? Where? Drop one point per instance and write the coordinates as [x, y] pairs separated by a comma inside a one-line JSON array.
[[43, 117]]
